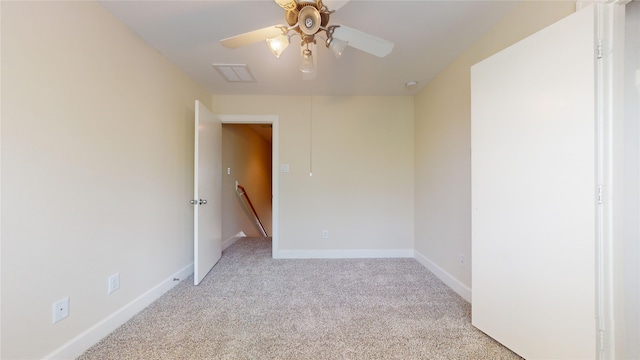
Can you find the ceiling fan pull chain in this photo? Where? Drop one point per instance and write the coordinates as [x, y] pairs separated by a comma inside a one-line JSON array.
[[311, 134]]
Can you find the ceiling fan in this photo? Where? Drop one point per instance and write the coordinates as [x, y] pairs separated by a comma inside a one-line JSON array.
[[310, 20]]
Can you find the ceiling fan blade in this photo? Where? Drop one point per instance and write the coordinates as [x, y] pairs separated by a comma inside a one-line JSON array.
[[363, 41], [334, 4], [251, 37]]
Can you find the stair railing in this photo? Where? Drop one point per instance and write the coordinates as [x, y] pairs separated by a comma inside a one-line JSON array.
[[244, 198]]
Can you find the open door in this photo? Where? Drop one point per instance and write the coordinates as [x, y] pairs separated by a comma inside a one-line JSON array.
[[534, 192], [207, 192]]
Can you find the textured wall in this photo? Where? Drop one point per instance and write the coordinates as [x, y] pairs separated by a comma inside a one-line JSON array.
[[443, 141], [97, 170], [361, 153]]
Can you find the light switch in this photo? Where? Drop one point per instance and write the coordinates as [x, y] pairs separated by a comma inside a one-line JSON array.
[[228, 171]]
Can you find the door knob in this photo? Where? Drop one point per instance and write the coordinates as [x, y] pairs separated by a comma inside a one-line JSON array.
[[202, 202]]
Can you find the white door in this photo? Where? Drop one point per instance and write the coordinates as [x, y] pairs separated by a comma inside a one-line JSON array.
[[534, 192], [207, 192]]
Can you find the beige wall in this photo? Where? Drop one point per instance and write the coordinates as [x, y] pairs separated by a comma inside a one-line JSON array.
[[248, 156], [443, 142], [97, 132], [362, 157]]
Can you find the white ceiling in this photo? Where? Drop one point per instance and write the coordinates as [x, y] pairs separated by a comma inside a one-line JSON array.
[[427, 34]]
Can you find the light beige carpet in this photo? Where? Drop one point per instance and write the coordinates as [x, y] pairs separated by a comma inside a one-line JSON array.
[[254, 307]]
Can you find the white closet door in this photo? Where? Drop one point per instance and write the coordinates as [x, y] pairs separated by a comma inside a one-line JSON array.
[[534, 192]]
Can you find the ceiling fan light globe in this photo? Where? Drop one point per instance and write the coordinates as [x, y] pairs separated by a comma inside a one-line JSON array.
[[278, 44], [306, 65], [337, 46]]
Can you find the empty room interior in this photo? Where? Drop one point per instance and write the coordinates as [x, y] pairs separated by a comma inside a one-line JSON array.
[[374, 151]]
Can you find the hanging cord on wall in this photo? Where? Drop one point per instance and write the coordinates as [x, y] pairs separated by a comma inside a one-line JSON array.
[[311, 136]]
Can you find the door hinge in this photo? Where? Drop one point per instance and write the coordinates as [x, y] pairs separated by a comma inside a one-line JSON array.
[[600, 194], [599, 49], [601, 339]]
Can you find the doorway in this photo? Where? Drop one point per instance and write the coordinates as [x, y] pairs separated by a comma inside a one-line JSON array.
[[250, 158]]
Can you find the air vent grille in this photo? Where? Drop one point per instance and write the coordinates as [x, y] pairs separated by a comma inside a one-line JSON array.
[[235, 72]]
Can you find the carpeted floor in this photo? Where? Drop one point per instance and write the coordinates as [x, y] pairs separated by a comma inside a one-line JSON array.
[[254, 307]]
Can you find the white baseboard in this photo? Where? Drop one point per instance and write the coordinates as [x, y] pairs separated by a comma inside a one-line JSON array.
[[76, 346], [344, 254], [233, 239], [455, 284]]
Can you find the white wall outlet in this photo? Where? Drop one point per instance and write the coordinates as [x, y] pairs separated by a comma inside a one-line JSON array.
[[113, 283], [60, 310], [462, 260], [325, 234]]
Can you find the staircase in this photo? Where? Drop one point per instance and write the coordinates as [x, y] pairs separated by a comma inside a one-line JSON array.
[[248, 205]]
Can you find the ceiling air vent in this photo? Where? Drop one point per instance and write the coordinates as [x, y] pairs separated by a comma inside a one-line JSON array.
[[235, 72]]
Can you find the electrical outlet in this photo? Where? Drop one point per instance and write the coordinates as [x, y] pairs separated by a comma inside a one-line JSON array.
[[113, 283], [325, 234], [60, 309], [462, 260]]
